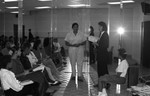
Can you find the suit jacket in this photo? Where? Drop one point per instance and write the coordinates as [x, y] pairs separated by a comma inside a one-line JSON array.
[[103, 44]]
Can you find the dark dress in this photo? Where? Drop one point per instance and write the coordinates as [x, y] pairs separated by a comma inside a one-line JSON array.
[[102, 55], [31, 89], [91, 50]]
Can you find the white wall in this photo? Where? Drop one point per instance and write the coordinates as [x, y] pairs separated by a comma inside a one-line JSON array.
[[61, 21], [40, 22], [136, 39], [1, 24], [10, 19]]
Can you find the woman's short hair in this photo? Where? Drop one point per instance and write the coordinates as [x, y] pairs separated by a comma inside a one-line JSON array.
[[36, 44], [5, 60], [25, 46], [75, 24], [122, 53], [103, 24], [46, 42]]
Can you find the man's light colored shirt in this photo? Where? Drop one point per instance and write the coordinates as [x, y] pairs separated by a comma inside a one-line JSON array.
[[75, 39]]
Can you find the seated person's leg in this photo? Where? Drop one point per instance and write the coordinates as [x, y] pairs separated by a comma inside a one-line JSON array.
[[49, 73], [10, 92], [49, 63], [39, 77], [110, 79], [31, 89], [47, 76]]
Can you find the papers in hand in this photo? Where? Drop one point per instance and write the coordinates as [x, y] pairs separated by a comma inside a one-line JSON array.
[[93, 39], [41, 67], [26, 82]]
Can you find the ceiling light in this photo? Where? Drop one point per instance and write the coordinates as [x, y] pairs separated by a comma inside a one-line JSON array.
[[43, 7], [12, 7], [10, 0], [129, 1], [44, 0], [79, 5], [14, 12]]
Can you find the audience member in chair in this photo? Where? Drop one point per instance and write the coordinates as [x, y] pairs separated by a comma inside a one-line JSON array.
[[7, 49], [11, 86], [17, 66], [22, 74], [118, 78], [57, 52], [39, 52], [29, 62]]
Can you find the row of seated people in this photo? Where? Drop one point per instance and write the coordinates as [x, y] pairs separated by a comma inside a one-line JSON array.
[[54, 50], [27, 64]]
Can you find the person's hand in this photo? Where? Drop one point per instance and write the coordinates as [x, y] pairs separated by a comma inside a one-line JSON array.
[[26, 72], [95, 43]]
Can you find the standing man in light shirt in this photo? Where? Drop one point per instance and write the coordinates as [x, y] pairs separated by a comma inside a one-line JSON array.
[[76, 41]]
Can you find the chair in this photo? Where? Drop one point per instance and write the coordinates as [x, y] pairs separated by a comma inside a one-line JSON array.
[[119, 84], [133, 75]]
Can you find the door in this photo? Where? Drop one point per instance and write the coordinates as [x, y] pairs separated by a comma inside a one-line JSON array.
[[146, 44], [16, 39]]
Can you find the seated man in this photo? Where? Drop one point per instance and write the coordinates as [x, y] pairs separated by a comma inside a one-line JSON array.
[[13, 87], [119, 77]]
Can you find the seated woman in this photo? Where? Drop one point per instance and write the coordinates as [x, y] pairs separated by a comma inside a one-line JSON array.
[[57, 50], [42, 58], [22, 74], [17, 67], [28, 60], [7, 49], [13, 87], [119, 77]]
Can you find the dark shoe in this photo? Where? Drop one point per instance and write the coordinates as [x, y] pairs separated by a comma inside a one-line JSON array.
[[56, 83], [73, 78], [96, 85], [80, 79], [107, 86]]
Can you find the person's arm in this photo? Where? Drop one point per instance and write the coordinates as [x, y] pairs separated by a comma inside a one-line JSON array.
[[24, 73], [71, 45], [13, 82], [82, 43]]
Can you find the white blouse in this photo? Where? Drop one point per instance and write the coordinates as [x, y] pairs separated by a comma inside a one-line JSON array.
[[32, 58], [8, 80], [122, 67]]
